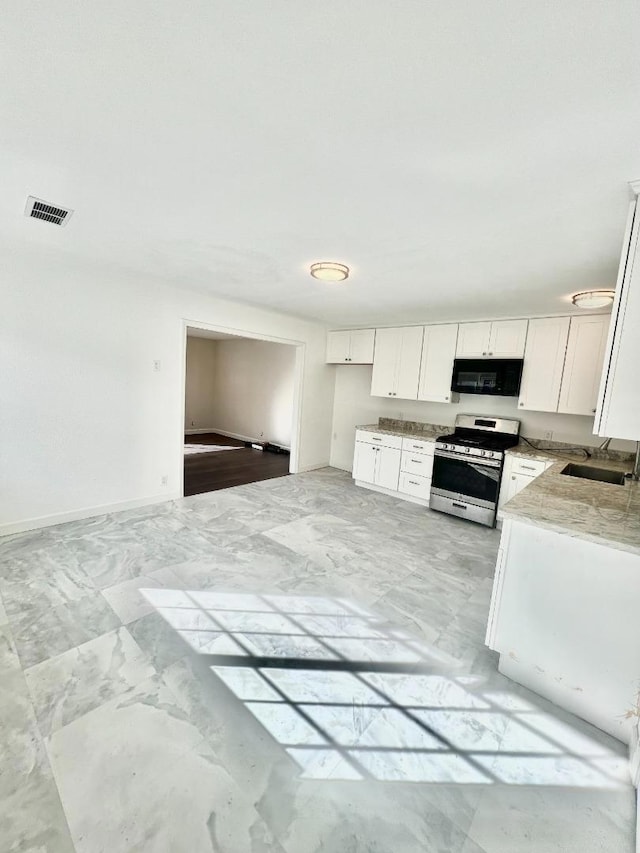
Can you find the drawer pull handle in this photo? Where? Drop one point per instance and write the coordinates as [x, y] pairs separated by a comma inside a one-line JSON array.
[[417, 461], [529, 467], [413, 483], [459, 506], [375, 439]]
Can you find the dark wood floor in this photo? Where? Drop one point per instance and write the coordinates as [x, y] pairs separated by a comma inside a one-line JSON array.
[[207, 472]]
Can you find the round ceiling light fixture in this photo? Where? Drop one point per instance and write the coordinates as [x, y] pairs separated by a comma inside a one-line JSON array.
[[593, 298], [329, 271]]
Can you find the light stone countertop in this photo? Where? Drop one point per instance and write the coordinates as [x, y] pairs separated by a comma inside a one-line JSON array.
[[425, 435], [587, 509]]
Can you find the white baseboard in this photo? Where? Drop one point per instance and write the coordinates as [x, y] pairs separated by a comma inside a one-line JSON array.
[[316, 467], [232, 435], [86, 512]]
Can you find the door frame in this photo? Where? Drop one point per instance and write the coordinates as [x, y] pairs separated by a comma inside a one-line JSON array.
[[298, 381]]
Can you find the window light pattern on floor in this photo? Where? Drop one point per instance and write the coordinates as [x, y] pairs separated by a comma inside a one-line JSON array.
[[349, 697]]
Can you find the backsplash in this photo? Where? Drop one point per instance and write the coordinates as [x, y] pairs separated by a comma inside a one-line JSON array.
[[540, 444], [412, 426]]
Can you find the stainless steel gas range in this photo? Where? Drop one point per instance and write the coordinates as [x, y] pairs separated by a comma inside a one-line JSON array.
[[467, 467]]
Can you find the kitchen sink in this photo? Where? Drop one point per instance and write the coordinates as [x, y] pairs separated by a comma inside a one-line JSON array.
[[588, 472]]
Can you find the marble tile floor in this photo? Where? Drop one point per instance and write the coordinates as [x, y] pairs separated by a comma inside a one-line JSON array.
[[293, 666]]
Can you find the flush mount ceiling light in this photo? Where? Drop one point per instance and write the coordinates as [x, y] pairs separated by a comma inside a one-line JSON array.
[[329, 271], [593, 298]]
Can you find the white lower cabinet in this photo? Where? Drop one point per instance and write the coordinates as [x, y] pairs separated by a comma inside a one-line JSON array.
[[364, 462], [388, 468], [376, 464], [393, 464], [418, 487], [517, 473], [514, 483], [563, 619]]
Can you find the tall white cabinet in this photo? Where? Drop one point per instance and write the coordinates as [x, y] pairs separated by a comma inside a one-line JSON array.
[[543, 364], [583, 364], [618, 409], [396, 362], [436, 366]]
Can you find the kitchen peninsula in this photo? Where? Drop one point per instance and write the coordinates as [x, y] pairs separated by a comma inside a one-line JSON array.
[[566, 595]]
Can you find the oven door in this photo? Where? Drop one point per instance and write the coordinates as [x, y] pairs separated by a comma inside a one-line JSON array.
[[461, 478]]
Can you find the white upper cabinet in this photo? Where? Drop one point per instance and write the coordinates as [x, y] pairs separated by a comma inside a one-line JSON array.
[[362, 346], [473, 340], [353, 346], [338, 347], [507, 338], [583, 364], [543, 364], [385, 356], [500, 339], [618, 409], [436, 368], [396, 362]]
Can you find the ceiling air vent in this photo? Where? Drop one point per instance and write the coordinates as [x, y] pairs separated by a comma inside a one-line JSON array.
[[38, 209]]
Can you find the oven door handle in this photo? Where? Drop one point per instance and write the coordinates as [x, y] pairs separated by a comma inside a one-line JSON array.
[[475, 460]]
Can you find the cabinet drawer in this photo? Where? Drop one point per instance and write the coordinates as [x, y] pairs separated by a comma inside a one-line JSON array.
[[379, 438], [416, 463], [417, 445], [528, 467], [419, 487]]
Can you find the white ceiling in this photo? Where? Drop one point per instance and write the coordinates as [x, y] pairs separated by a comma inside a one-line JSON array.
[[467, 159]]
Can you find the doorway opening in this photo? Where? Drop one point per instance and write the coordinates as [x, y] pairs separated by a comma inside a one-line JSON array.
[[240, 409]]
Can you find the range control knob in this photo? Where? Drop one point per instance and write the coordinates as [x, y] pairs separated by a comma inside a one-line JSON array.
[[483, 453], [467, 450]]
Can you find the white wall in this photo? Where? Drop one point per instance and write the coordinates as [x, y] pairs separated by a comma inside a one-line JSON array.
[[200, 384], [354, 406], [85, 422], [254, 387]]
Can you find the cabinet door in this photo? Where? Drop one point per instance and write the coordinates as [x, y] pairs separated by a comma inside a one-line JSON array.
[[338, 347], [507, 338], [364, 462], [362, 341], [504, 481], [515, 483], [408, 372], [543, 363], [438, 352], [385, 362], [473, 340], [388, 468], [618, 412], [583, 364]]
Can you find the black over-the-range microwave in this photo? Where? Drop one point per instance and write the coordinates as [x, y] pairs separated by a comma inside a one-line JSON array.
[[496, 376]]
